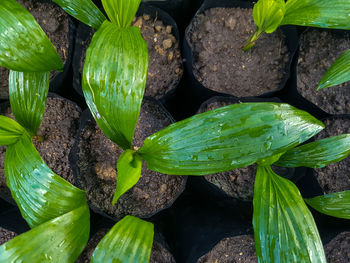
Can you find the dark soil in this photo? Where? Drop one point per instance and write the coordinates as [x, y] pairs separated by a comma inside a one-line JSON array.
[[159, 253], [318, 50], [234, 249], [6, 235], [165, 65], [238, 183], [336, 176], [54, 22], [59, 127], [97, 160], [338, 249], [216, 38]]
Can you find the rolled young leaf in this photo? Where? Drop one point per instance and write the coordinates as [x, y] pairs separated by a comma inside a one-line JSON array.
[[114, 80], [335, 204], [228, 138], [268, 15], [10, 131], [23, 44], [58, 240], [83, 10], [129, 167], [121, 12], [318, 13], [28, 93], [284, 229], [130, 240], [317, 154], [40, 194], [338, 73]]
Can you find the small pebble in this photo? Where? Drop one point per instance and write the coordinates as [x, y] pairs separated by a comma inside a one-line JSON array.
[[146, 17], [167, 43], [169, 29]]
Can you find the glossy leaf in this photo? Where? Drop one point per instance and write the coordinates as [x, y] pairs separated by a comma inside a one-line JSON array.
[[58, 240], [83, 10], [228, 138], [318, 13], [28, 93], [121, 12], [317, 154], [23, 44], [114, 80], [284, 229], [130, 240], [338, 73], [40, 194], [335, 204], [10, 131], [129, 167]]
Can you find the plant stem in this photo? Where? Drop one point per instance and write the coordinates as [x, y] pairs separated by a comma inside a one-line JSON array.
[[251, 41]]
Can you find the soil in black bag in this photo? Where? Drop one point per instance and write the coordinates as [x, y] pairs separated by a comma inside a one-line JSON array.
[[59, 127], [54, 22], [159, 254], [318, 51], [338, 249], [237, 183], [165, 64], [232, 249], [6, 235], [335, 177], [96, 161], [217, 36]]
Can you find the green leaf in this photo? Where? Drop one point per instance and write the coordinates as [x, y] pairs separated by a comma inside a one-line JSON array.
[[268, 14], [40, 194], [114, 80], [83, 10], [317, 154], [129, 172], [23, 44], [284, 229], [28, 93], [121, 12], [335, 204], [130, 240], [338, 73], [228, 138], [59, 240], [316, 13], [10, 131]]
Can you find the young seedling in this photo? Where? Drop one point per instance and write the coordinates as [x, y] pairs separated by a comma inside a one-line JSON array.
[[270, 14]]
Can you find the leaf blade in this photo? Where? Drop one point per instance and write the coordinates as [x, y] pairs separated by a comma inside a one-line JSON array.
[[138, 236], [121, 12], [227, 138], [23, 44], [10, 131], [284, 228], [28, 93], [114, 80], [334, 204], [317, 154], [129, 167], [58, 240], [268, 14], [338, 73], [316, 13], [83, 10], [40, 194]]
